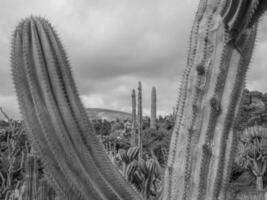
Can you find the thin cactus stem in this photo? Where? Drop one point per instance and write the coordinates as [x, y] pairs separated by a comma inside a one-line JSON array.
[[134, 128], [153, 114], [140, 119]]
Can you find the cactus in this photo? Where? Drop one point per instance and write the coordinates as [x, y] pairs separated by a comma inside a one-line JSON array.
[[133, 134], [203, 140], [140, 119], [31, 178], [58, 127], [153, 110], [45, 192]]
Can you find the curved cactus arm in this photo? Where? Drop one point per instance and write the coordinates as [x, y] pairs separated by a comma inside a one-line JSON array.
[[58, 127], [202, 144]]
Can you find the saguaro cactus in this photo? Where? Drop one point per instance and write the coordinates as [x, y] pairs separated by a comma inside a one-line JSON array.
[[203, 140], [153, 114], [140, 118], [133, 134], [57, 125]]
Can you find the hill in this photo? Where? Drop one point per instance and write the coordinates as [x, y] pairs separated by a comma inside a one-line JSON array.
[[107, 114]]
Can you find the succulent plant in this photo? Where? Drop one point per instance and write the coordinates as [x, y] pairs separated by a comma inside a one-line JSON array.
[[140, 119], [74, 160], [204, 138], [153, 111], [134, 127]]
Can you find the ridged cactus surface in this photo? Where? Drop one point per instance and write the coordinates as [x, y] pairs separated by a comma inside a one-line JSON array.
[[140, 118], [31, 182], [153, 114], [203, 141], [75, 161], [134, 127]]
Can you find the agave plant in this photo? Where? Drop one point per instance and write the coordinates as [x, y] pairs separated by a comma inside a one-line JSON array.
[[252, 152]]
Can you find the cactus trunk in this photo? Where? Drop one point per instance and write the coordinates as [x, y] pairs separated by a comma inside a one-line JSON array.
[[31, 182], [133, 134], [58, 127], [140, 119], [203, 140], [153, 114]]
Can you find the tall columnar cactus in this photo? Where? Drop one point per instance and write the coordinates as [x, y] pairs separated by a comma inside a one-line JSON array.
[[153, 114], [201, 150], [56, 121], [31, 182], [140, 118], [203, 141], [45, 192], [134, 128]]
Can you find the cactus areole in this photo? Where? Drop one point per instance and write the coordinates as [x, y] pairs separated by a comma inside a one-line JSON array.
[[202, 145]]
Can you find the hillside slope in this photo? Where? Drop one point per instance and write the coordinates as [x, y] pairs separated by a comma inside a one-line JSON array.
[[109, 115]]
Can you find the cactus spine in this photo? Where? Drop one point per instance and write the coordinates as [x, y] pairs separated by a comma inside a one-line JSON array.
[[203, 140], [133, 134], [153, 114], [140, 119], [58, 127]]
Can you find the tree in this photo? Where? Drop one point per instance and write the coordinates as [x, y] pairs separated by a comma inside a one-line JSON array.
[[252, 152]]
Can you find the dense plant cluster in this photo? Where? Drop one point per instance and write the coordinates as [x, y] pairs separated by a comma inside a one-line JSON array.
[[116, 135]]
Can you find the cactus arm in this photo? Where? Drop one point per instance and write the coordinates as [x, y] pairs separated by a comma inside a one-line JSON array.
[[74, 159], [202, 145]]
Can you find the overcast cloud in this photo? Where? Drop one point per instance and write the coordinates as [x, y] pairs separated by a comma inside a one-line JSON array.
[[112, 44]]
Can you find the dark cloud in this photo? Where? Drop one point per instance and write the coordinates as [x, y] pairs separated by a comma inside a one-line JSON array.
[[113, 44]]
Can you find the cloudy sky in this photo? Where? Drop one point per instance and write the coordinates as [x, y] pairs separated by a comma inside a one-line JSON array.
[[112, 44]]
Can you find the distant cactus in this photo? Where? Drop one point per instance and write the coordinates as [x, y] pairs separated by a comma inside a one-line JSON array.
[[32, 177], [140, 119], [134, 128], [153, 115], [45, 192]]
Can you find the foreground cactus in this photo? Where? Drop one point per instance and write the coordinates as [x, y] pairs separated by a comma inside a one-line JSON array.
[[203, 140], [74, 160], [201, 150]]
